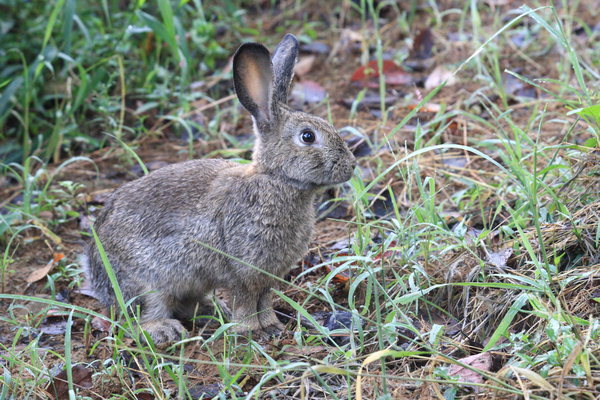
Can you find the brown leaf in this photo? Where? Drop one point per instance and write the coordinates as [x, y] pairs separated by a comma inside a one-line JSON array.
[[100, 324], [423, 44], [82, 379], [40, 273], [307, 351], [349, 40], [388, 253], [304, 65], [439, 75], [56, 313], [371, 100], [342, 277], [144, 396], [428, 108], [368, 75], [308, 92], [481, 361]]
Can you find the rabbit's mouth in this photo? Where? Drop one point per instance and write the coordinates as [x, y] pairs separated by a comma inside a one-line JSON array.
[[341, 171]]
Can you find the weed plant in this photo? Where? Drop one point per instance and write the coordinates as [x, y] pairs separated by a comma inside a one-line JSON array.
[[496, 257]]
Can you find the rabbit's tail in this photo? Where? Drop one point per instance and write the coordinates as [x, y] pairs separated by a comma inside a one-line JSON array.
[[96, 278]]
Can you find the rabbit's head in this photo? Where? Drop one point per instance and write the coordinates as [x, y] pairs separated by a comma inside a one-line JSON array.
[[300, 148]]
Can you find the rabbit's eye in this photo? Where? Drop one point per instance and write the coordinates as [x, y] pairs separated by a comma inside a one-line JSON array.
[[308, 136]]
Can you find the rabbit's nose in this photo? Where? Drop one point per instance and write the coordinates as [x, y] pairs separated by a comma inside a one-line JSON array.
[[353, 162]]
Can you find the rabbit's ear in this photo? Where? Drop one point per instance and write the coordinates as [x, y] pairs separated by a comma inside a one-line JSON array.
[[284, 60], [253, 80]]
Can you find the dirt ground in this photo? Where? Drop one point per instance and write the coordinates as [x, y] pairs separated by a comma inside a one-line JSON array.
[[331, 71]]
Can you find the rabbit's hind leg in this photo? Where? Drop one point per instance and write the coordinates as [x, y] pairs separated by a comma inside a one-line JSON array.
[[244, 304], [266, 315]]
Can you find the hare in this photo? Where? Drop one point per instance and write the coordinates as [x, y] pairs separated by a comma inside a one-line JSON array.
[[160, 231]]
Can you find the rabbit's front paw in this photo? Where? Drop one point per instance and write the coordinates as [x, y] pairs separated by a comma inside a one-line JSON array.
[[164, 331]]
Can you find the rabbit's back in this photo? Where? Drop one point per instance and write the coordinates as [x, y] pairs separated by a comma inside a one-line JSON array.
[[146, 225], [152, 198]]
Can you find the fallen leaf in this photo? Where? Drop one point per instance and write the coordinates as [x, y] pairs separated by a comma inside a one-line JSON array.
[[429, 107], [82, 379], [337, 210], [422, 44], [519, 39], [54, 326], [56, 313], [358, 145], [383, 205], [370, 100], [209, 391], [516, 87], [304, 65], [55, 322], [63, 295], [341, 277], [472, 234], [498, 2], [315, 48], [437, 76], [311, 259], [481, 361], [40, 273], [308, 92], [367, 75], [418, 65], [388, 253], [340, 320], [455, 161], [499, 259], [144, 396], [349, 40], [342, 244], [100, 324], [306, 351]]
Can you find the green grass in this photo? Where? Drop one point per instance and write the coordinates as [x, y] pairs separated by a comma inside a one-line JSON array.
[[81, 83]]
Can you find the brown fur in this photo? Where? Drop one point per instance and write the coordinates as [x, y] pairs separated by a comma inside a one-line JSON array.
[[155, 228]]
